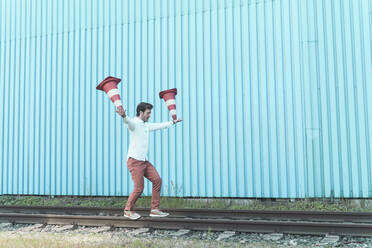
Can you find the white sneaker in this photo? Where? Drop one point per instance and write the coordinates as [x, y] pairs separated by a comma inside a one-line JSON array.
[[158, 213], [131, 215]]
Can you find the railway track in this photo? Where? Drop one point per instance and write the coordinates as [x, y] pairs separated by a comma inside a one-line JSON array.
[[294, 222], [354, 217]]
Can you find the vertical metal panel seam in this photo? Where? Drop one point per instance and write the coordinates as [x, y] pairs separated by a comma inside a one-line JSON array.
[[285, 108], [212, 122], [67, 94], [19, 115], [167, 51], [153, 68], [70, 102], [182, 105], [87, 148], [50, 98], [90, 169], [43, 91], [46, 102], [370, 26], [8, 166], [115, 190], [114, 25], [295, 148], [213, 191], [142, 21], [189, 90], [140, 42], [260, 100], [14, 164], [113, 57], [356, 107], [254, 193], [139, 22], [147, 49], [365, 97], [106, 28], [104, 155], [175, 78], [147, 56], [121, 124], [96, 78], [2, 96], [204, 101], [303, 125], [335, 55], [85, 181], [11, 107], [161, 75], [218, 97], [311, 99], [62, 103], [8, 103], [33, 181], [25, 133], [197, 145], [77, 126], [109, 27], [167, 85], [226, 101], [328, 103], [278, 162], [302, 92], [96, 121], [128, 50], [237, 181], [346, 97], [269, 159], [245, 185], [3, 110], [320, 120], [81, 101], [41, 162]]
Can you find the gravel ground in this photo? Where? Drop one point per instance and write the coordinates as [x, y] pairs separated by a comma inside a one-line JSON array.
[[69, 236]]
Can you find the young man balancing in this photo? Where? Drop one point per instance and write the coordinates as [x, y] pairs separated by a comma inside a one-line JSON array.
[[137, 163]]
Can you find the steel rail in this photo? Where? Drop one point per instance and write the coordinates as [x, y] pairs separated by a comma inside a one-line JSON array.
[[292, 227], [355, 217]]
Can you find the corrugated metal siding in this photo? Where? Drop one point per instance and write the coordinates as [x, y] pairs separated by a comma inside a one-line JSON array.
[[276, 96]]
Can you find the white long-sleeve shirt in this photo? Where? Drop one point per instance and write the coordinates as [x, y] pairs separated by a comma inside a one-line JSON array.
[[139, 136]]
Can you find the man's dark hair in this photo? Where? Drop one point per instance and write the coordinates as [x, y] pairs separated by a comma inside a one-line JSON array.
[[142, 107]]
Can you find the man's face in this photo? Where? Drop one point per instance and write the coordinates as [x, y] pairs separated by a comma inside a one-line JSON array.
[[145, 115]]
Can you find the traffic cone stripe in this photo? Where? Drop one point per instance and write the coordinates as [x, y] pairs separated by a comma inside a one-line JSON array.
[[173, 112], [170, 102], [118, 103], [115, 97], [113, 92], [172, 107]]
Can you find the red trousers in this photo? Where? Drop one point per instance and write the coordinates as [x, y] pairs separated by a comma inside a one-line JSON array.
[[138, 170]]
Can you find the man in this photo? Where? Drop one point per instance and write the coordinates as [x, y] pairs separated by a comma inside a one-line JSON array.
[[137, 163]]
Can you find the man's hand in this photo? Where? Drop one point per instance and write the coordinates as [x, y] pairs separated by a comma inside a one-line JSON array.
[[121, 113], [175, 121]]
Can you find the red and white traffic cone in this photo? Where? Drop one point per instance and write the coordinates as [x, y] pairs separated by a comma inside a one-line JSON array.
[[109, 86], [169, 97]]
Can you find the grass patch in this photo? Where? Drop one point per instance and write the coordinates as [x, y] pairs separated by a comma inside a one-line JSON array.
[[173, 202]]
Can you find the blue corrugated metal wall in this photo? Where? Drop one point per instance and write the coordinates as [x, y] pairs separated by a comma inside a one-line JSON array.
[[276, 96]]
